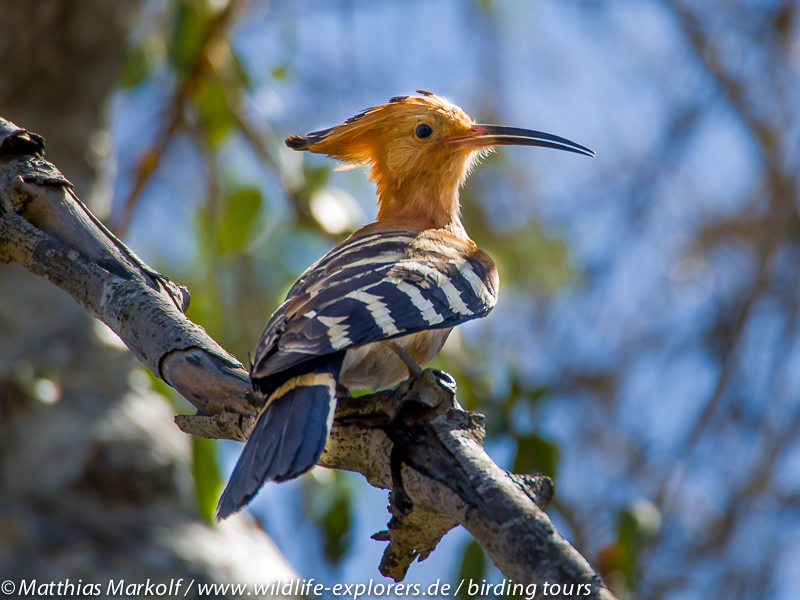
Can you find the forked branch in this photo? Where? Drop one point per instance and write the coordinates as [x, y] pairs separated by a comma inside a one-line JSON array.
[[415, 441]]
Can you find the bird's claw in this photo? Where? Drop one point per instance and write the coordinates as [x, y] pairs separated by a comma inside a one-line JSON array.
[[445, 380], [254, 402], [426, 388], [399, 392], [421, 383]]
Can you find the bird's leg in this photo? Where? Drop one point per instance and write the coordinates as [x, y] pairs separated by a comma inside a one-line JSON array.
[[417, 374], [414, 370]]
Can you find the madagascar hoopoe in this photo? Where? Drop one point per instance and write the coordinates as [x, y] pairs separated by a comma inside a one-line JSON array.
[[411, 277]]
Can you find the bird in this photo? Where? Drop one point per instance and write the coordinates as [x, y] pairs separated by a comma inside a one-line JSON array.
[[406, 279]]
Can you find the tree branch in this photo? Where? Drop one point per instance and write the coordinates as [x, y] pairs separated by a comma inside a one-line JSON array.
[[415, 441]]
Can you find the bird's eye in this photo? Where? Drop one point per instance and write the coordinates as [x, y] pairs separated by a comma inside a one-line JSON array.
[[423, 130]]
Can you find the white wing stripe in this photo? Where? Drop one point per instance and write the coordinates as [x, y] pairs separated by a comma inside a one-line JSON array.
[[327, 281], [378, 309], [424, 305], [453, 295], [472, 278], [337, 333]]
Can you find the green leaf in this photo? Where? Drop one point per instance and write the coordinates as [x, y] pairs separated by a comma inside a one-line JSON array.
[[137, 66], [336, 529], [627, 546], [189, 26], [279, 73], [358, 393], [473, 566], [237, 219], [207, 480], [212, 108], [536, 455]]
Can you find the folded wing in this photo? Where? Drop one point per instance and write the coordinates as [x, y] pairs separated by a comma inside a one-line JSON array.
[[374, 287]]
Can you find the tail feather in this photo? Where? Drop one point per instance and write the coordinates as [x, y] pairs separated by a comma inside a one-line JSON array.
[[290, 433], [296, 432], [318, 427]]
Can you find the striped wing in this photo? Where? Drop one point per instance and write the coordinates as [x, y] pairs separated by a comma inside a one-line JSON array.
[[377, 286]]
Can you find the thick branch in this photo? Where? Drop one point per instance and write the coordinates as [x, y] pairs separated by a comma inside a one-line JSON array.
[[46, 229], [416, 441]]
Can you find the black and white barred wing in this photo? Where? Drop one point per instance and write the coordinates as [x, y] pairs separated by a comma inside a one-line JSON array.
[[376, 287]]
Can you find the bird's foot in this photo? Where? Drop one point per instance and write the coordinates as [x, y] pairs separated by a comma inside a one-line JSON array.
[[445, 380], [254, 402], [430, 387]]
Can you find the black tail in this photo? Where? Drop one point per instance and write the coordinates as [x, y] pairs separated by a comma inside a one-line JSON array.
[[289, 435]]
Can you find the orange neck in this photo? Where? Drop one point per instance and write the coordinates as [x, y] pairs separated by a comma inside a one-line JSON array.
[[422, 211], [426, 200]]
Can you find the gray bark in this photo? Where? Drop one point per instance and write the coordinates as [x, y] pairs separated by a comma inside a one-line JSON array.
[[96, 485], [422, 447]]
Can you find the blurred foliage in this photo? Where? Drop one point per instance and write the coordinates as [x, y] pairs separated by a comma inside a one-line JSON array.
[[527, 255], [207, 480], [138, 65], [212, 110], [279, 73], [191, 20], [329, 505], [236, 221], [206, 477], [535, 455], [336, 527], [618, 562], [473, 567], [162, 388]]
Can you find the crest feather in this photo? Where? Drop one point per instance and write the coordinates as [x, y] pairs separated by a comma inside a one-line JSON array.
[[355, 142]]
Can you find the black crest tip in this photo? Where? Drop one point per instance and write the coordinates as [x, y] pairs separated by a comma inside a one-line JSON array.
[[296, 142]]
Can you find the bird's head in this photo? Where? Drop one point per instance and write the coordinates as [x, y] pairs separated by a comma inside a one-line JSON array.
[[420, 149]]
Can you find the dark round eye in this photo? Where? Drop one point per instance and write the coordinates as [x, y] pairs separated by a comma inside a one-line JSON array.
[[423, 130]]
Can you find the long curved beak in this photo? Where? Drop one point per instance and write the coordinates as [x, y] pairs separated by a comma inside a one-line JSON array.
[[486, 136]]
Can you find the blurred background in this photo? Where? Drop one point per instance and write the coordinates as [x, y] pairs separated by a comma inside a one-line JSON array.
[[643, 353]]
